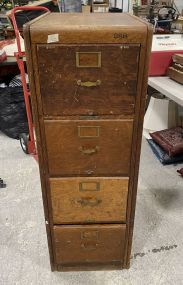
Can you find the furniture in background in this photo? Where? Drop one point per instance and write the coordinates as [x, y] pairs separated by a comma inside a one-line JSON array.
[[168, 87], [164, 113], [100, 6]]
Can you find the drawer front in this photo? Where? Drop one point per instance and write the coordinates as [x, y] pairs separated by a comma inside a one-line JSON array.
[[83, 200], [88, 148], [89, 244], [88, 79]]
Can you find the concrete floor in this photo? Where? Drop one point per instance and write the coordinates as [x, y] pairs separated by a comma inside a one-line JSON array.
[[158, 236]]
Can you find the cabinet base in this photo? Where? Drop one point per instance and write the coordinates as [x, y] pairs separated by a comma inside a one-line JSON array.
[[89, 267]]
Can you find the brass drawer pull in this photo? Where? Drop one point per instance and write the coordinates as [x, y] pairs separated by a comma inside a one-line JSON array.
[[89, 172], [89, 202], [88, 83], [89, 151], [89, 246]]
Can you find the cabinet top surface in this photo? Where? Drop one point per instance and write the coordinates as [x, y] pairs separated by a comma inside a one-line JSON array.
[[80, 28], [82, 20]]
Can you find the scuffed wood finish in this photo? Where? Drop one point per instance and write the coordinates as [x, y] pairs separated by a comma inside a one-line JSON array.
[[89, 200], [94, 137], [104, 153], [89, 244], [85, 28], [37, 123], [59, 76], [137, 138], [116, 265]]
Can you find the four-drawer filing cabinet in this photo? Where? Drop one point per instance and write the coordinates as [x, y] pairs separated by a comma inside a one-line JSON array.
[[88, 78]]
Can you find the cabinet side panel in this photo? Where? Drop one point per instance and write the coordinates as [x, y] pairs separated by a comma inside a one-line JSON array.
[[137, 138], [29, 60]]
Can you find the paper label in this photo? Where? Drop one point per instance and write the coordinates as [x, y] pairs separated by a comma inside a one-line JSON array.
[[167, 43], [53, 38]]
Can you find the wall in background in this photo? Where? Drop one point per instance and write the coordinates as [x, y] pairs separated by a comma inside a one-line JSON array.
[[179, 4]]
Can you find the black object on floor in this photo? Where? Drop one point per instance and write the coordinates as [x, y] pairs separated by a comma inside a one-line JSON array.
[[115, 10], [180, 171], [2, 184], [13, 117]]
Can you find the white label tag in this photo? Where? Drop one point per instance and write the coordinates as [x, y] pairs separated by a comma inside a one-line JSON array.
[[53, 38]]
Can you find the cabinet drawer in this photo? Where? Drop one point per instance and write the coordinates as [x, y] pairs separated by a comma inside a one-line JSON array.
[[89, 244], [83, 148], [83, 200], [88, 79]]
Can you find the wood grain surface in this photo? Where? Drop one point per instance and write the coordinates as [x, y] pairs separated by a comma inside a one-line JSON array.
[[70, 154], [89, 200], [88, 244], [59, 76], [39, 141], [89, 28]]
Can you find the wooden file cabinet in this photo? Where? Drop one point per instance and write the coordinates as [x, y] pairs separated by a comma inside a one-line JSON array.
[[88, 78]]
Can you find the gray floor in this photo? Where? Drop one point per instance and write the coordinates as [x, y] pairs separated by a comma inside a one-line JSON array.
[[158, 236]]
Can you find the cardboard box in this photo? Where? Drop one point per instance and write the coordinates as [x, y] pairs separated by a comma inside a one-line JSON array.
[[100, 8], [86, 8]]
